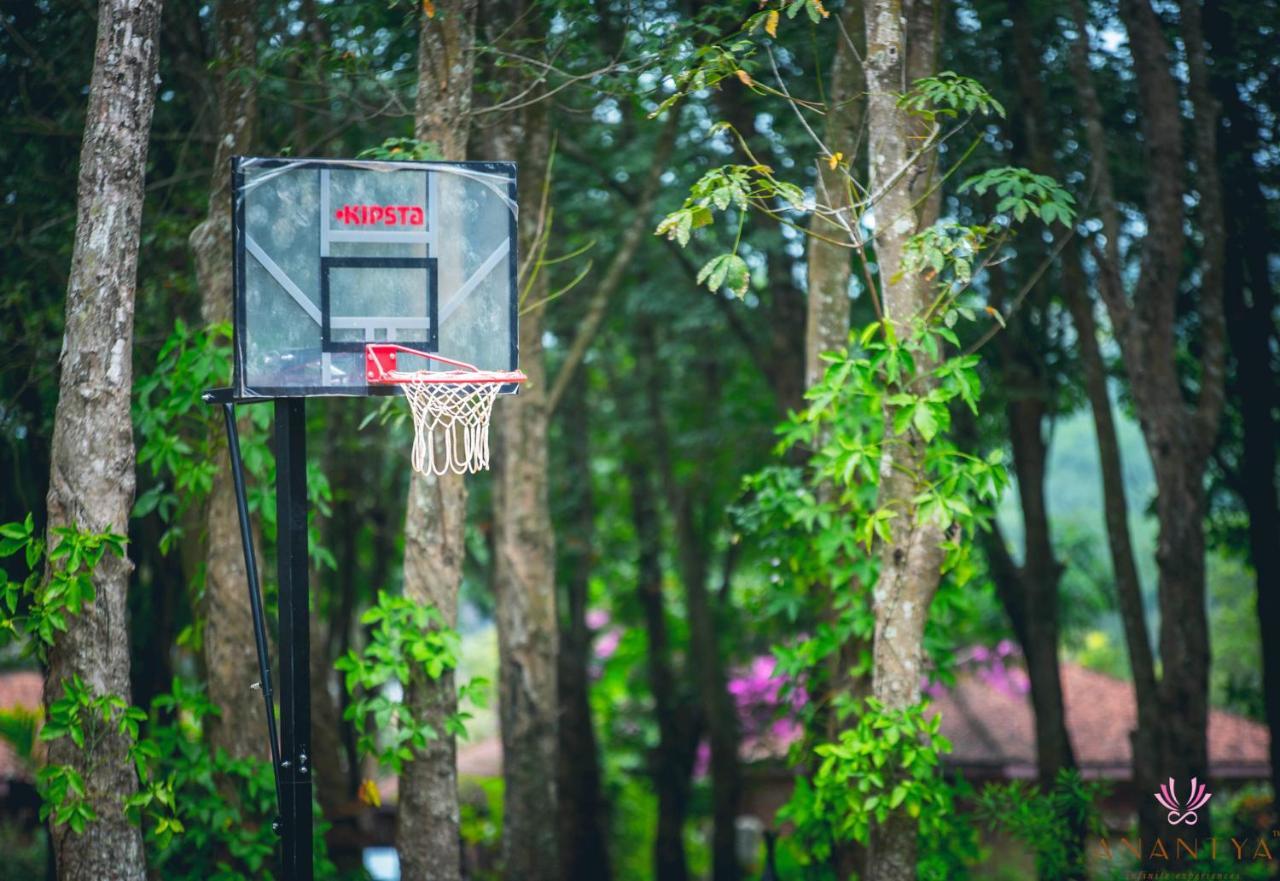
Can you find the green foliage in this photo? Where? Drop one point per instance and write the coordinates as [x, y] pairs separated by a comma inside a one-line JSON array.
[[81, 716], [844, 424], [87, 720], [26, 852], [887, 761], [1044, 821], [218, 808], [480, 816], [736, 186], [949, 94], [726, 270], [38, 607], [408, 638], [1023, 192], [730, 186], [710, 65], [18, 728], [945, 245], [180, 441], [404, 148]]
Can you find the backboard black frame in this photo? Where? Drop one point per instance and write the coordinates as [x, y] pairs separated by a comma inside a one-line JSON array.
[[242, 392]]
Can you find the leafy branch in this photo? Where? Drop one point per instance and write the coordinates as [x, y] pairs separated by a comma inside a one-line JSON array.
[[409, 639]]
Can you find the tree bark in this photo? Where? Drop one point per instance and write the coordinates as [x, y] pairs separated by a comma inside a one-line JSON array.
[[1037, 580], [1146, 761], [718, 709], [524, 587], [1179, 437], [900, 48], [91, 480], [679, 722], [1250, 303], [830, 265], [1124, 569], [583, 820], [427, 834], [427, 822], [827, 319], [231, 664], [523, 545], [326, 721]]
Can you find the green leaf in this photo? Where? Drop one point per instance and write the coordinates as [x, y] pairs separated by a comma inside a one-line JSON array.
[[925, 421]]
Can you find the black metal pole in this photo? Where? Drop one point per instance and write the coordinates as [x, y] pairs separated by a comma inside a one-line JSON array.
[[295, 642], [255, 594]]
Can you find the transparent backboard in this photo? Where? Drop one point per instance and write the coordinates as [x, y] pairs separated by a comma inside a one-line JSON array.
[[333, 254]]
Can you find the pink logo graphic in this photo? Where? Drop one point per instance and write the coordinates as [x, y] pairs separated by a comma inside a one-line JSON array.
[[1186, 813]]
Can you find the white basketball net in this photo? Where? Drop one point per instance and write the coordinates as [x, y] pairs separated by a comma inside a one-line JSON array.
[[451, 413]]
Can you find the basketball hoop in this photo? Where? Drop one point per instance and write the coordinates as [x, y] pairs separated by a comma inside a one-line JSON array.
[[454, 405]]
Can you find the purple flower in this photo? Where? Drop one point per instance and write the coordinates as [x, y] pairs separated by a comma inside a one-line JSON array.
[[607, 644]]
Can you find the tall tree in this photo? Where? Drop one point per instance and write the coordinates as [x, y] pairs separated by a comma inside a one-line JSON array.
[[91, 480], [583, 822], [427, 824], [1146, 762], [830, 257], [678, 718], [1250, 304], [523, 545], [1031, 592], [583, 844], [900, 49], [1180, 436], [231, 665], [718, 710]]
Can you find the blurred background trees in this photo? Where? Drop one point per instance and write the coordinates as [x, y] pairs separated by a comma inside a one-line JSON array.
[[667, 585]]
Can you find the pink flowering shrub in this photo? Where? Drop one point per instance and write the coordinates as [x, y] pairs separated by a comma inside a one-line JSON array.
[[999, 668]]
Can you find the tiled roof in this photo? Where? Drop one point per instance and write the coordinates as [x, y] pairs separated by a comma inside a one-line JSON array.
[[987, 717], [992, 728]]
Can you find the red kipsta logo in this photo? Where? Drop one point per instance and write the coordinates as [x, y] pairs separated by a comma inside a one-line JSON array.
[[388, 215]]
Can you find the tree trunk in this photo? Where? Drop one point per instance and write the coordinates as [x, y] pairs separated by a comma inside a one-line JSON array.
[[583, 820], [91, 480], [427, 835], [900, 47], [679, 725], [1250, 303], [1179, 438], [231, 664], [336, 768], [524, 553], [326, 721], [1037, 580], [1124, 569], [1146, 761], [829, 271], [524, 588], [718, 708], [427, 822], [830, 255]]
